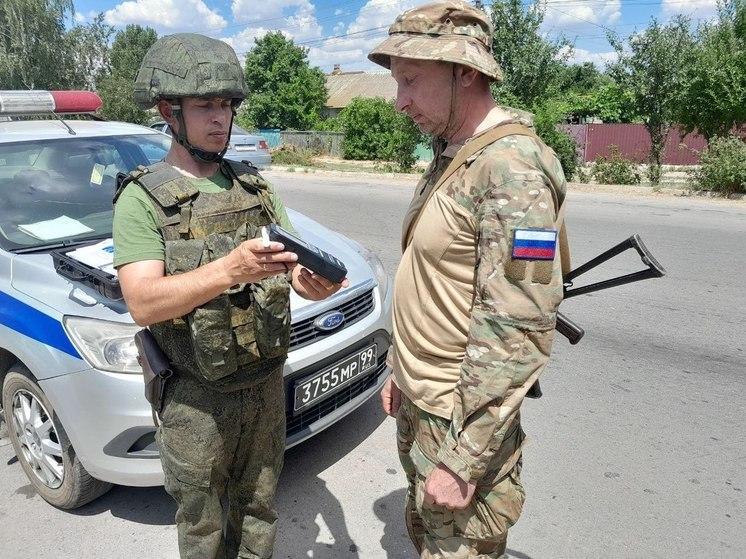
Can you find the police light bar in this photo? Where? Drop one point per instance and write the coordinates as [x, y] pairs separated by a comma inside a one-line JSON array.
[[19, 102]]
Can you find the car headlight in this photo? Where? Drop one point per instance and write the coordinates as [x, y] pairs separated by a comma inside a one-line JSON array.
[[108, 346]]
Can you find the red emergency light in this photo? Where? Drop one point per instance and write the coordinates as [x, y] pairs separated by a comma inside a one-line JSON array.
[[19, 102]]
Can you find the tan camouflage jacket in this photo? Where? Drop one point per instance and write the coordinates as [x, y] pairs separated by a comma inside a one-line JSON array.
[[473, 326]]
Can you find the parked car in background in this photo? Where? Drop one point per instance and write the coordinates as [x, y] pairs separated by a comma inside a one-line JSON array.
[[242, 147], [72, 390]]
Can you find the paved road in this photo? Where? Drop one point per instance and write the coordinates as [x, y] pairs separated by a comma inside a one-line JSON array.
[[637, 450]]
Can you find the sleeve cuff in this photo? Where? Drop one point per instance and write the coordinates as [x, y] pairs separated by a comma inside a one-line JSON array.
[[455, 462]]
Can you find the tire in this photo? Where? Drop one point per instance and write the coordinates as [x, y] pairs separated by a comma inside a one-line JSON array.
[[42, 446]]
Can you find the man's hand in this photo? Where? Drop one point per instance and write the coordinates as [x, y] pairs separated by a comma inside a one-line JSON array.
[[251, 261], [390, 397], [314, 287], [446, 489]]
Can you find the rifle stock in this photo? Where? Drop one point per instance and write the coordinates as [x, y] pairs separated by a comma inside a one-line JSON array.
[[571, 330]]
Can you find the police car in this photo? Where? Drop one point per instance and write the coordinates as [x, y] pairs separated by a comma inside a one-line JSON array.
[[72, 391]]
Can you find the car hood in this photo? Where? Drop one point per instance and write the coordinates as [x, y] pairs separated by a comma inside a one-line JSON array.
[[34, 275]]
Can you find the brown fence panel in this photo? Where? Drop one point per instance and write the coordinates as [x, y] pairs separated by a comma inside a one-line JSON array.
[[633, 143]]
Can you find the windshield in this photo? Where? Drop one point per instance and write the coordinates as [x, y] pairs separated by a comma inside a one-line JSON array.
[[58, 191]]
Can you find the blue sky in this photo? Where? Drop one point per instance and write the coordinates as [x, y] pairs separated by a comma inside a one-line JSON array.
[[343, 31]]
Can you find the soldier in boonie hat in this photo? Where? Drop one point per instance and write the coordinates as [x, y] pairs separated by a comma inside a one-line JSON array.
[[446, 31], [463, 362]]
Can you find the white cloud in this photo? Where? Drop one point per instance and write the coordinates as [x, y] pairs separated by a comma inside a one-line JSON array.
[[169, 15], [368, 29], [695, 9], [269, 12], [600, 59], [570, 18]]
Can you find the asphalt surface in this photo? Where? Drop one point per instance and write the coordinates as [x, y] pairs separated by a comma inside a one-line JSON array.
[[636, 450]]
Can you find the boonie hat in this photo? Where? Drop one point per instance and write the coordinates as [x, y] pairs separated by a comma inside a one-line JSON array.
[[447, 31]]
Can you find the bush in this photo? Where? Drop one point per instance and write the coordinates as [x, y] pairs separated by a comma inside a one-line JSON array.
[[547, 120], [288, 154], [722, 166], [615, 169], [375, 131]]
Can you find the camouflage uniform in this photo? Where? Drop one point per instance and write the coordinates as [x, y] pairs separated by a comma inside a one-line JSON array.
[[222, 431], [473, 324]]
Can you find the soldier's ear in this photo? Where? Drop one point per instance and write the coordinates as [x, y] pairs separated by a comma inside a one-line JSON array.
[[466, 75]]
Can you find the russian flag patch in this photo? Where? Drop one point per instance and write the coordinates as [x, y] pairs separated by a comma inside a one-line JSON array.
[[534, 244]]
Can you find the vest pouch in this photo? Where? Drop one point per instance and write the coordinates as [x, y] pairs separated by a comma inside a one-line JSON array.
[[272, 316], [210, 327], [212, 338]]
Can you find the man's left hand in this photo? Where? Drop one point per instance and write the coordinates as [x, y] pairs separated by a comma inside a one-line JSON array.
[[313, 286], [446, 489]]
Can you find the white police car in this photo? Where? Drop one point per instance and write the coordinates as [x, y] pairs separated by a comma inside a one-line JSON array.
[[72, 392]]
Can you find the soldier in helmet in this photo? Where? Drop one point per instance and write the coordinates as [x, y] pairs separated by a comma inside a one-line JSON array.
[[477, 288], [194, 270]]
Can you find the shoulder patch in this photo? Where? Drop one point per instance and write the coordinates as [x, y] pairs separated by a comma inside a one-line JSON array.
[[534, 244]]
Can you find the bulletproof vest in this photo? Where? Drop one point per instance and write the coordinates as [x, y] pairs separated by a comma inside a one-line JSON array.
[[242, 335]]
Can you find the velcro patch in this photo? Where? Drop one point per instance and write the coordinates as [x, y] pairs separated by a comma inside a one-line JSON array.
[[534, 244]]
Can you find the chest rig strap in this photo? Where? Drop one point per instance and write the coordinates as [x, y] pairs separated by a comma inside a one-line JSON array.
[[169, 188]]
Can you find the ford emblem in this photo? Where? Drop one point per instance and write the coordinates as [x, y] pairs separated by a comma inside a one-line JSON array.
[[329, 321]]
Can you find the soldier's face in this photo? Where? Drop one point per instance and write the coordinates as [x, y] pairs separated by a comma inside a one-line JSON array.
[[424, 92], [207, 122]]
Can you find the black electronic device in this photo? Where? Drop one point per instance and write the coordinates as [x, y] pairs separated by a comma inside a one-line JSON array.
[[310, 256]]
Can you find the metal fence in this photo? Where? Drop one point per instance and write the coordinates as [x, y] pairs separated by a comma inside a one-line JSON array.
[[593, 140], [326, 143], [633, 143]]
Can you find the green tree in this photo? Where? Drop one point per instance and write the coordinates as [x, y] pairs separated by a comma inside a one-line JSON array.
[[609, 102], [284, 91], [127, 51], [714, 101], [532, 66], [32, 44], [88, 51], [546, 122], [653, 68], [374, 130]]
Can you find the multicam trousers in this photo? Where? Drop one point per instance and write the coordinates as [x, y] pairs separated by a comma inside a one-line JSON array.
[[481, 529], [221, 448]]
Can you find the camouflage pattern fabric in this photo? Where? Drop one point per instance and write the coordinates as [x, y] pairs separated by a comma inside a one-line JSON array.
[[188, 65], [473, 425], [481, 529], [444, 31], [214, 444], [236, 337]]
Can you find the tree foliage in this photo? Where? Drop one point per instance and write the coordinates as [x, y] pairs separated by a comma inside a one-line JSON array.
[[532, 65], [38, 52], [653, 69], [127, 51], [284, 91], [374, 130], [32, 32], [714, 101]]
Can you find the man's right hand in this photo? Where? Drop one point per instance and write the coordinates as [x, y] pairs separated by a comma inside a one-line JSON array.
[[251, 261], [390, 397]]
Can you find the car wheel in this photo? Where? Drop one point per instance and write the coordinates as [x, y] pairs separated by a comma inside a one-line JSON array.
[[42, 446]]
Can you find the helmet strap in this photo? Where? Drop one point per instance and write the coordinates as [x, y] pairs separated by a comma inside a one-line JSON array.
[[199, 155]]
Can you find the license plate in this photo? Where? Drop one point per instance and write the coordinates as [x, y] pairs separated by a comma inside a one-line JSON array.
[[311, 390], [245, 147]]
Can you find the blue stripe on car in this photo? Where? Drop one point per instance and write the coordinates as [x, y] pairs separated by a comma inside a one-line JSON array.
[[30, 322]]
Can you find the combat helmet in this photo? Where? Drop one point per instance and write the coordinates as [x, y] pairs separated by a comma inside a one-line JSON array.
[[189, 65], [446, 31]]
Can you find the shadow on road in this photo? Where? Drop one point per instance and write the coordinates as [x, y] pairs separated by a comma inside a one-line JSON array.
[[312, 522], [308, 510]]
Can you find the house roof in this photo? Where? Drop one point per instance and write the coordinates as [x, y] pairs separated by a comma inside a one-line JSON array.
[[344, 87]]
